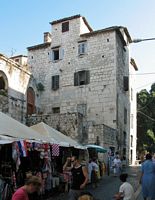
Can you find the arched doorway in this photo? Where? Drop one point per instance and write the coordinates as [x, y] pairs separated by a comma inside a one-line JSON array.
[[3, 81], [30, 101]]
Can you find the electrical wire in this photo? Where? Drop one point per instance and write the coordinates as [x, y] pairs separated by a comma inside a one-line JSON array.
[[146, 115]]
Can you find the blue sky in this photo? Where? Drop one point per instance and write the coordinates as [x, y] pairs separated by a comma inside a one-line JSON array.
[[24, 21]]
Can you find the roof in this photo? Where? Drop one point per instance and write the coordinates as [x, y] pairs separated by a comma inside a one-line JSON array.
[[112, 28], [15, 64], [59, 137], [39, 46], [70, 18], [17, 56], [12, 128]]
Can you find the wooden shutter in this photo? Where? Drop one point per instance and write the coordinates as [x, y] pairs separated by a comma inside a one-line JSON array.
[[76, 79], [87, 77], [61, 53], [55, 82]]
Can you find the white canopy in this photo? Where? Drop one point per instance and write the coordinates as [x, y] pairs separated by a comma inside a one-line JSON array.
[[59, 137], [12, 128]]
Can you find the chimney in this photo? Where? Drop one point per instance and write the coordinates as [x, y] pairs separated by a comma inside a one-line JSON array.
[[47, 37]]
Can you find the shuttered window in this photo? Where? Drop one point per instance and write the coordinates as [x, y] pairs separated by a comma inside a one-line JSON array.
[[56, 54], [55, 82], [81, 78]]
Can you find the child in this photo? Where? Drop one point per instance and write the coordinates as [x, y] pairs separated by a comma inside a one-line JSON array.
[[126, 191]]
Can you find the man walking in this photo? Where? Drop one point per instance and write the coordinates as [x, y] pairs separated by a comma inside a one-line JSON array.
[[79, 177]]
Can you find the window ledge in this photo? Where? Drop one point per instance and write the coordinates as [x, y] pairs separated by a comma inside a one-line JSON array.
[[82, 55]]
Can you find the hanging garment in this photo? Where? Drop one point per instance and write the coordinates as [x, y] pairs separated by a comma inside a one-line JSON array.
[[55, 150]]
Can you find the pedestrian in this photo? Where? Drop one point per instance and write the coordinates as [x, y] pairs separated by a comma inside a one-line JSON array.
[[93, 169], [32, 184], [79, 177], [117, 166], [147, 178], [126, 191]]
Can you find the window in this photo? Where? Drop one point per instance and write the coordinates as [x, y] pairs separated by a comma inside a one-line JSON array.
[[82, 109], [131, 140], [131, 121], [131, 94], [17, 60], [126, 83], [124, 138], [82, 48], [55, 82], [125, 116], [81, 78], [65, 26], [56, 110], [57, 54]]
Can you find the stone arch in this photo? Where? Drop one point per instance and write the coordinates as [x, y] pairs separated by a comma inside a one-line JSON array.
[[3, 81], [30, 101]]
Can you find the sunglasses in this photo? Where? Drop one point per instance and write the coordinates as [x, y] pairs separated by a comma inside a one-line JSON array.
[[73, 161]]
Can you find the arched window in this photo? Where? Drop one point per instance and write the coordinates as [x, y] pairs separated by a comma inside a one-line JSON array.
[[30, 101]]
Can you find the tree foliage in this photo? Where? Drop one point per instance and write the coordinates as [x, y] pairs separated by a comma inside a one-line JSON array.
[[146, 120]]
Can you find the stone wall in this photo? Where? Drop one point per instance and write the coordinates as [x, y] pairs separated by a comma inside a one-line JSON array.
[[69, 124], [16, 79]]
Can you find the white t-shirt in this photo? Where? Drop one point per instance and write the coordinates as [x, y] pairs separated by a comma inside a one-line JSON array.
[[127, 190]]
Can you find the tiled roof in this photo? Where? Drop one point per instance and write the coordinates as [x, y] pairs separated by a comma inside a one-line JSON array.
[[39, 46], [70, 18], [113, 28]]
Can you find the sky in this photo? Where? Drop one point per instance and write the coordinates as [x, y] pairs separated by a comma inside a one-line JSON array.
[[23, 23]]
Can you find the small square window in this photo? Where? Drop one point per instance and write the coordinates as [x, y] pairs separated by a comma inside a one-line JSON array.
[[56, 110], [65, 26]]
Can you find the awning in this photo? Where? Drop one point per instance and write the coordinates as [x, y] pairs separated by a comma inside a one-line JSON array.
[[12, 128], [98, 148], [59, 137]]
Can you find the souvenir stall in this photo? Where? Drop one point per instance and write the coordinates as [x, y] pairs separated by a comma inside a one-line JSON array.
[[67, 148]]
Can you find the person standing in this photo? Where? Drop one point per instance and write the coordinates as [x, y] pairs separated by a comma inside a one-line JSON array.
[[147, 178], [33, 184], [93, 169], [117, 166], [79, 177]]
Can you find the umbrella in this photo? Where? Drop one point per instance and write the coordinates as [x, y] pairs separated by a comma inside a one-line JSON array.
[[98, 148]]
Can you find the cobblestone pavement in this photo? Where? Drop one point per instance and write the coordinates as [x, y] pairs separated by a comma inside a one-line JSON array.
[[109, 185]]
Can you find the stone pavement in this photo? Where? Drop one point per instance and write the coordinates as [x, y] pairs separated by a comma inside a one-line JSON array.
[[109, 185]]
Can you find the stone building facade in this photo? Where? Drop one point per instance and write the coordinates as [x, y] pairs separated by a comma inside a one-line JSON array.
[[14, 79], [85, 75]]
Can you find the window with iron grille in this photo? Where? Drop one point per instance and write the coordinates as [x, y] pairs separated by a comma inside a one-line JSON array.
[[65, 26], [81, 78], [56, 110], [55, 82]]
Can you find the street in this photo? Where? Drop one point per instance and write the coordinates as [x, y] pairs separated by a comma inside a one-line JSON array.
[[109, 185]]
